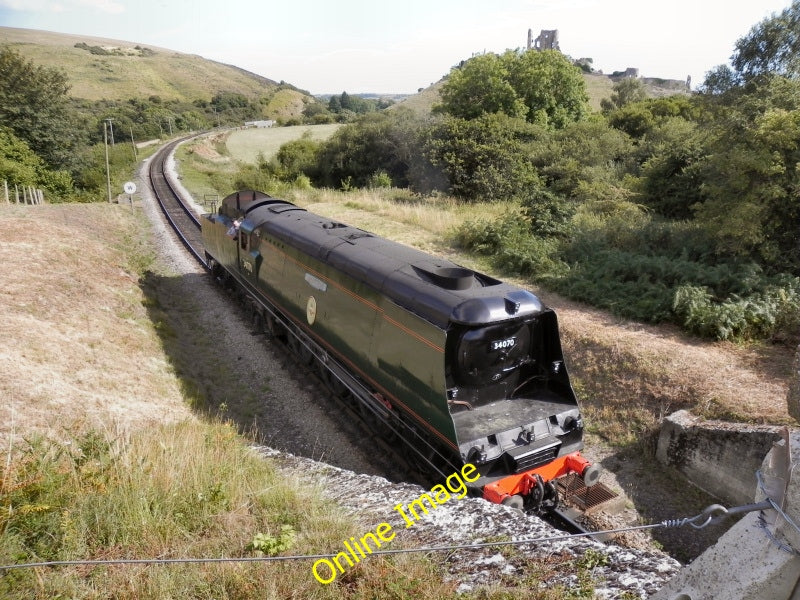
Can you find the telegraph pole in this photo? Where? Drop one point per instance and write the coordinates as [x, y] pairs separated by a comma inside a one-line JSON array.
[[111, 127], [133, 143], [108, 172]]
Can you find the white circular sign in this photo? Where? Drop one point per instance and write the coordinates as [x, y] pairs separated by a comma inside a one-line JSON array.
[[129, 187]]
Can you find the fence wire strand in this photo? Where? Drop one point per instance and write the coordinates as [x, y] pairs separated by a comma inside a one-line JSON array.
[[710, 515]]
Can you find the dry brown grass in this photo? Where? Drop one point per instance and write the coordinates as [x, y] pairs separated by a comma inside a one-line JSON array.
[[77, 349], [424, 222]]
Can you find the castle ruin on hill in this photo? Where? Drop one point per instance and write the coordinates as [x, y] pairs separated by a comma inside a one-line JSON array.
[[547, 40]]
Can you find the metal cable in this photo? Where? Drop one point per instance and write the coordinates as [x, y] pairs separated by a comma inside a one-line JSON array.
[[764, 526], [711, 514]]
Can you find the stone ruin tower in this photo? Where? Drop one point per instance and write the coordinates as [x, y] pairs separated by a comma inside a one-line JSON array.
[[547, 40]]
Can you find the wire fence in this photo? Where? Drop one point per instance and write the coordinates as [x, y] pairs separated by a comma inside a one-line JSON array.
[[711, 515], [22, 194]]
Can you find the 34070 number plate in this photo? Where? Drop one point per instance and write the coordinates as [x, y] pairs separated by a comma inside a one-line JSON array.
[[505, 344]]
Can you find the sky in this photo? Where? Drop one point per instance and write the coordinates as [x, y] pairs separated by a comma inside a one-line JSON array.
[[399, 47]]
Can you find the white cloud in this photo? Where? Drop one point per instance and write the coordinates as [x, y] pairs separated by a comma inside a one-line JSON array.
[[31, 5]]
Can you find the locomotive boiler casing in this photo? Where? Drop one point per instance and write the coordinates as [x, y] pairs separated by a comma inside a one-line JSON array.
[[474, 363]]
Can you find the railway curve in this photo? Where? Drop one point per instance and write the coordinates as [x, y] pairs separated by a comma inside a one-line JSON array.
[[181, 217], [177, 210]]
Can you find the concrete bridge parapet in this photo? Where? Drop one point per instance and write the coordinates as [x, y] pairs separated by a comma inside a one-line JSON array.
[[720, 458], [759, 557]]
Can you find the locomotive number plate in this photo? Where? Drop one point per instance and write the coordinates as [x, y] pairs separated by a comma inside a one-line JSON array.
[[506, 344]]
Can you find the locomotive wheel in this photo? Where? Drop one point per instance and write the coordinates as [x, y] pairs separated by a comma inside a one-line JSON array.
[[339, 389], [299, 349], [515, 501]]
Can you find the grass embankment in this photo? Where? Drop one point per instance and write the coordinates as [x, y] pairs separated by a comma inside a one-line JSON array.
[[129, 70], [102, 457]]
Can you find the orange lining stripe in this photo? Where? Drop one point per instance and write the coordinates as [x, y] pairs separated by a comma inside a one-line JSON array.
[[412, 333]]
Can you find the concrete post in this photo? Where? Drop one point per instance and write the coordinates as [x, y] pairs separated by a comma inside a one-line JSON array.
[[759, 557], [793, 397]]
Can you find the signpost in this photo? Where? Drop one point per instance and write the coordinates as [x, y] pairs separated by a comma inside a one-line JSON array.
[[129, 188]]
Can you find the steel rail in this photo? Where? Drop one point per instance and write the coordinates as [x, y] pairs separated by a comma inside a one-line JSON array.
[[178, 212]]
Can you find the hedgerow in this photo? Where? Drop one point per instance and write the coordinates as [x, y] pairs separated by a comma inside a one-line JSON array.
[[648, 271], [772, 313]]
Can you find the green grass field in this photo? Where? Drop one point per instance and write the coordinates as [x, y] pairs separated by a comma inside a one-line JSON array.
[[246, 144]]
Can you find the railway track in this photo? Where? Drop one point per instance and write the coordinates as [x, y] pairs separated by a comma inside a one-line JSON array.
[[177, 210]]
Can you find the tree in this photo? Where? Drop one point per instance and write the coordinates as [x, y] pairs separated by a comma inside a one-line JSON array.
[[33, 105], [751, 182], [771, 47], [551, 87], [672, 173], [18, 164], [541, 87], [584, 161], [486, 158], [481, 86], [21, 166], [639, 118], [753, 191], [344, 101], [376, 142], [297, 157], [627, 90]]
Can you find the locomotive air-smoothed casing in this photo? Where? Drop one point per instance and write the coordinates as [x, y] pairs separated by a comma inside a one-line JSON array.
[[475, 362]]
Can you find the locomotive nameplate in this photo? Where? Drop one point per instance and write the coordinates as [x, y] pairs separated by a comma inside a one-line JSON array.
[[506, 344], [316, 282], [311, 310]]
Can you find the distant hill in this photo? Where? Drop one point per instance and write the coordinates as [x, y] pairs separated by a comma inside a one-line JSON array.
[[598, 86], [100, 68]]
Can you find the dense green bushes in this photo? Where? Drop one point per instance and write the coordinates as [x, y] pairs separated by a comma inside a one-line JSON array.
[[511, 247], [773, 312], [643, 271]]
